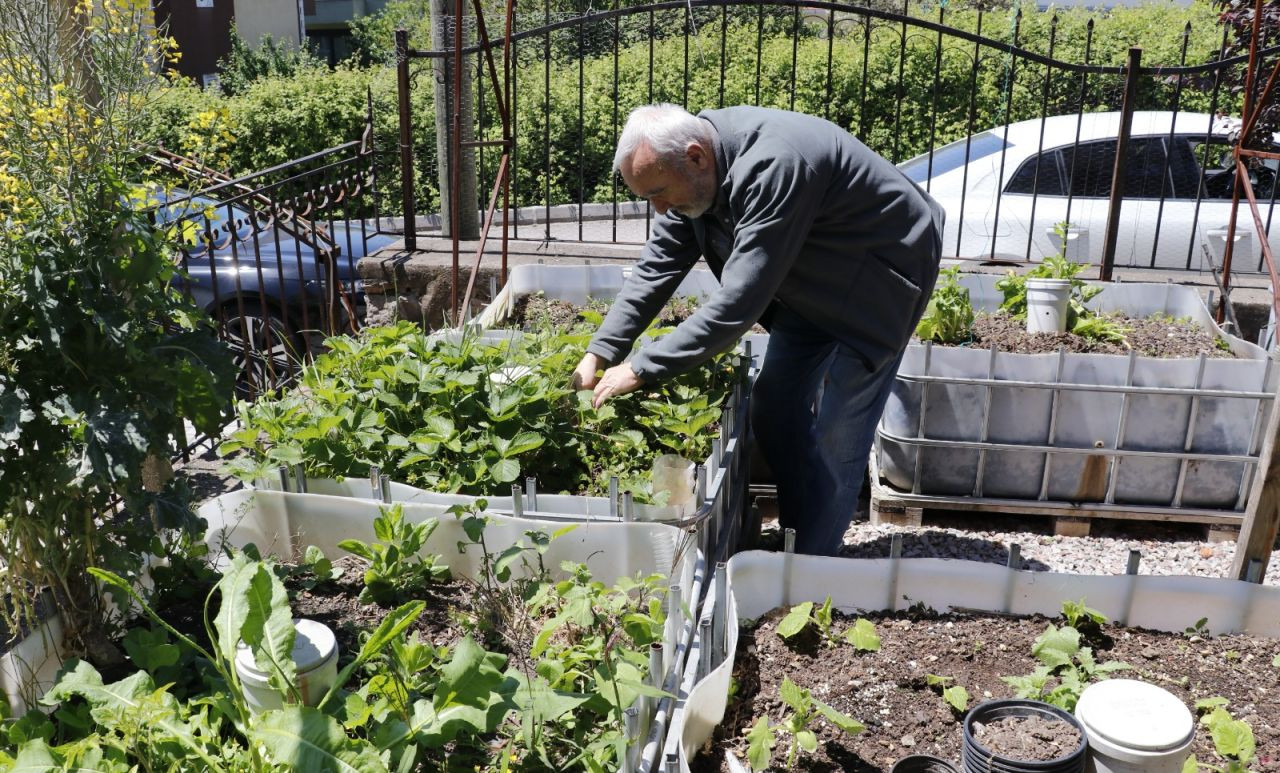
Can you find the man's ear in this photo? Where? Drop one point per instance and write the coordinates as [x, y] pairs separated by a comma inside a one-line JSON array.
[[697, 156]]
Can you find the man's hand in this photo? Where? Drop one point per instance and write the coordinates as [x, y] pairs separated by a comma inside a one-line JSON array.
[[617, 380], [584, 376]]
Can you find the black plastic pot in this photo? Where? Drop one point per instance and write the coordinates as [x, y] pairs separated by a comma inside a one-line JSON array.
[[923, 763], [978, 759]]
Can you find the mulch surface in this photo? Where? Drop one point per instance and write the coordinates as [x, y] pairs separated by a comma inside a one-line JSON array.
[[1150, 337], [887, 690]]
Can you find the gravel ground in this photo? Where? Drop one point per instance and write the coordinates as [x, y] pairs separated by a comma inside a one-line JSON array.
[[1167, 549]]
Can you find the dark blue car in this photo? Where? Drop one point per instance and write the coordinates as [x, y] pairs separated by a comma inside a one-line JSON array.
[[264, 275]]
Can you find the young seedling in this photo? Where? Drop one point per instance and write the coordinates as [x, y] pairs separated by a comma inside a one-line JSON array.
[[955, 696], [1233, 739], [804, 710], [862, 634], [1201, 628], [949, 317], [395, 568], [1067, 668]]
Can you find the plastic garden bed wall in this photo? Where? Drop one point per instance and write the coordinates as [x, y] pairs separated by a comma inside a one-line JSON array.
[[1188, 430], [757, 582], [284, 524]]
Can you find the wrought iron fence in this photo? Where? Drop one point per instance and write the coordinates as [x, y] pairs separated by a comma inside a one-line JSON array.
[[1014, 122], [271, 256]]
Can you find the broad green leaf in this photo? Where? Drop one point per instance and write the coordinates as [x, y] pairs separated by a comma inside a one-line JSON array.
[[269, 630], [441, 427], [762, 741], [795, 620], [358, 548], [235, 608], [543, 702], [957, 697], [794, 696], [1231, 737], [1190, 765], [505, 560], [302, 738], [523, 442], [862, 635], [807, 740], [150, 650], [463, 699], [286, 454], [839, 719], [1057, 646], [391, 626], [505, 470], [36, 757]]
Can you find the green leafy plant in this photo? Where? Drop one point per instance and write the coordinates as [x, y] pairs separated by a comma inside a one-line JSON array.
[[1077, 613], [862, 634], [1200, 628], [396, 566], [1080, 320], [1066, 669], [1233, 739], [948, 319], [955, 696], [804, 710]]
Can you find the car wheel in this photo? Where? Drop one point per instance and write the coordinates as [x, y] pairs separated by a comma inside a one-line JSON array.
[[267, 354]]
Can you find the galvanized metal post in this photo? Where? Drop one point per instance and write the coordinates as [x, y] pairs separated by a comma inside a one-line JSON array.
[[406, 140], [1109, 242]]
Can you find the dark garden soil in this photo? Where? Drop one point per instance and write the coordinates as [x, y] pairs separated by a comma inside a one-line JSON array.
[[1034, 739], [337, 604], [532, 310], [888, 692], [1150, 337]]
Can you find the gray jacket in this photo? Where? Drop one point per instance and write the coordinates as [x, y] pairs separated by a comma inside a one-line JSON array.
[[806, 216]]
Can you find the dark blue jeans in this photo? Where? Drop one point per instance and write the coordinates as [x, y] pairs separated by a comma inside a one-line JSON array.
[[814, 412]]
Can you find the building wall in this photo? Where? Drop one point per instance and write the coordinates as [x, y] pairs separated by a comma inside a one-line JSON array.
[[277, 18], [202, 29]]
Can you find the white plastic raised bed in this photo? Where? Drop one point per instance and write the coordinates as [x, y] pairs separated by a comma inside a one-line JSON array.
[[1080, 428], [757, 582]]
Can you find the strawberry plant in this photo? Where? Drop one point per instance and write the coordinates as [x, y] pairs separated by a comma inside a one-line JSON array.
[[465, 415]]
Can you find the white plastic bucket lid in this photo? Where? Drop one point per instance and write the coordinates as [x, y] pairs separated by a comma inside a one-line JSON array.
[[312, 647], [1135, 715]]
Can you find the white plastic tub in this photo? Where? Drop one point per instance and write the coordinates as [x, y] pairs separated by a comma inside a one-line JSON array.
[[1047, 301], [315, 655], [1132, 430], [1134, 727], [758, 582]]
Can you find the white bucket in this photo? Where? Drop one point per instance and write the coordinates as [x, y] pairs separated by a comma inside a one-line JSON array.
[[1047, 305], [315, 653], [1134, 727]]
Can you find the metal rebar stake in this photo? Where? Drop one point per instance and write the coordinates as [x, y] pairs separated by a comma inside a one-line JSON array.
[[700, 484], [531, 494], [628, 507], [613, 496], [720, 615], [1254, 572], [283, 470], [704, 648], [300, 479], [375, 483], [789, 540], [517, 501], [1015, 556], [1114, 467], [1135, 557], [895, 545], [675, 611]]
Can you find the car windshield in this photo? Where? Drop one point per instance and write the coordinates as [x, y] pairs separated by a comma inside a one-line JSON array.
[[953, 156]]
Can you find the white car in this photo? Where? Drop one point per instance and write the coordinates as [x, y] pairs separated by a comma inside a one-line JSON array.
[[1020, 181]]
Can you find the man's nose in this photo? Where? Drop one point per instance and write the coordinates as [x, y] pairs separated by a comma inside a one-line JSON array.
[[660, 204]]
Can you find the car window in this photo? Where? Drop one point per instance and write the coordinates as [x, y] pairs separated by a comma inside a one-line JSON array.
[[954, 156], [1040, 175], [1092, 164]]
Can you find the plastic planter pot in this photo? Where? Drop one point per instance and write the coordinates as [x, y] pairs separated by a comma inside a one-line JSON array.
[[315, 654], [1047, 301], [923, 763], [977, 758]]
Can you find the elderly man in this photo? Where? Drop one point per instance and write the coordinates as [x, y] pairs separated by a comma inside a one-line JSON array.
[[812, 234]]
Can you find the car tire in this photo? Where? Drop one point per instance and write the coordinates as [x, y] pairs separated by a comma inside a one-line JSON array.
[[267, 353]]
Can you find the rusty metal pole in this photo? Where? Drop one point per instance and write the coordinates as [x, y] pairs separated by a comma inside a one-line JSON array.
[[1117, 172], [406, 141]]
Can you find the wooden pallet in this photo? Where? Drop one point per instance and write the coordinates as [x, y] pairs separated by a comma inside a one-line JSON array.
[[901, 508]]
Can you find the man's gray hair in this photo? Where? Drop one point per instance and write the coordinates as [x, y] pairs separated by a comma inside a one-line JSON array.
[[667, 129]]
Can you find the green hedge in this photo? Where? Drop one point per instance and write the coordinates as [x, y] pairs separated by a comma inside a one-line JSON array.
[[277, 119]]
